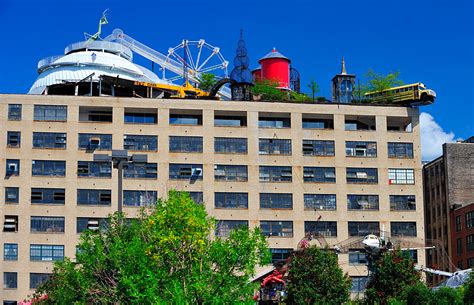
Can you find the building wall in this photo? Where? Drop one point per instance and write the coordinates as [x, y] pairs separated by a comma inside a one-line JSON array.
[[462, 231], [23, 266]]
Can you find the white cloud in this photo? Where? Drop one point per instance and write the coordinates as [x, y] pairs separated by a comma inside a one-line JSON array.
[[432, 137]]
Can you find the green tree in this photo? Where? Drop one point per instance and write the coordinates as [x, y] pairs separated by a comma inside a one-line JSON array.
[[469, 289], [316, 278], [314, 87], [207, 81], [376, 82], [266, 90], [166, 256]]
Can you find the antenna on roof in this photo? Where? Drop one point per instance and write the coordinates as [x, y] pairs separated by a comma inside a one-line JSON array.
[[103, 20]]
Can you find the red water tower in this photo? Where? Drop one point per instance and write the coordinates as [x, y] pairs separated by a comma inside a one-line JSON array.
[[276, 67], [257, 74]]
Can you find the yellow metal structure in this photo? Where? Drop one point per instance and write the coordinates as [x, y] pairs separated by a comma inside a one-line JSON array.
[[176, 91], [416, 93]]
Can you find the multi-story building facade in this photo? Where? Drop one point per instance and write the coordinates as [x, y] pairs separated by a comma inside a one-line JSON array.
[[448, 190], [337, 170]]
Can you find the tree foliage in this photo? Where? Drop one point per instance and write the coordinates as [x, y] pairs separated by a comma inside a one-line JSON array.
[[166, 256], [376, 82], [469, 289], [207, 81], [266, 90], [316, 278], [314, 88]]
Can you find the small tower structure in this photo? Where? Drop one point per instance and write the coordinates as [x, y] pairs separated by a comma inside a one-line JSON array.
[[241, 76], [343, 85], [276, 67]]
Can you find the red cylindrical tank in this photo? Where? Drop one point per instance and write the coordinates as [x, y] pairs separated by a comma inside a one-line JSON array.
[[276, 67], [257, 74]]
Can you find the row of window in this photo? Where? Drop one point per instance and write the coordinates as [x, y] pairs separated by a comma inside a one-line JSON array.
[[87, 141], [10, 280], [469, 221], [469, 244], [99, 169], [58, 113]]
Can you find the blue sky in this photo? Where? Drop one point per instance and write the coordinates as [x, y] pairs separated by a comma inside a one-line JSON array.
[[428, 41]]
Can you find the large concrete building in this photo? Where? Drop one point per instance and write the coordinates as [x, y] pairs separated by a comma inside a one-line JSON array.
[[337, 170]]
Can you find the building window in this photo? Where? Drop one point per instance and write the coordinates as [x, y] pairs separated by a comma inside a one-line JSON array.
[[12, 167], [362, 228], [470, 242], [43, 224], [318, 148], [13, 139], [10, 252], [274, 120], [403, 229], [357, 258], [46, 252], [401, 176], [48, 196], [277, 228], [36, 279], [91, 223], [363, 202], [224, 227], [275, 174], [12, 195], [276, 201], [317, 121], [49, 140], [185, 117], [399, 124], [230, 145], [402, 203], [141, 171], [14, 112], [94, 197], [140, 143], [10, 280], [359, 283], [140, 116], [279, 255], [470, 262], [320, 202], [358, 122], [238, 173], [140, 198], [411, 254], [361, 175], [459, 246], [230, 118], [185, 144], [50, 113], [48, 168], [321, 228], [274, 147], [185, 171], [469, 220], [95, 114], [231, 200], [458, 223], [11, 223], [361, 149], [319, 174], [197, 197], [400, 150], [95, 141], [93, 169]]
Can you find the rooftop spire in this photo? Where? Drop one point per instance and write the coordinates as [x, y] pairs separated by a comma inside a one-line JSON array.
[[343, 68]]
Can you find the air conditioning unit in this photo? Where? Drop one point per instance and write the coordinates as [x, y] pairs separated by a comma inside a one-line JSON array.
[[12, 167], [196, 172], [94, 141], [93, 224]]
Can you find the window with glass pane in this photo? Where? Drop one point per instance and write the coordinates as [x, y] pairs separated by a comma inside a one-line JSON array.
[[275, 147], [362, 228], [185, 144], [459, 246], [231, 200], [94, 197], [275, 174], [95, 141], [36, 279], [46, 252], [361, 149], [320, 202], [140, 117], [178, 118], [400, 150], [321, 228], [43, 224], [359, 283], [276, 201], [357, 258], [13, 139], [50, 113], [12, 167], [141, 171], [53, 140], [185, 171], [470, 242], [94, 169], [319, 174], [470, 262], [469, 220], [230, 119], [402, 203], [363, 202], [12, 195], [317, 121], [274, 120], [91, 223], [230, 145], [359, 122], [140, 143], [48, 196], [140, 198], [279, 255], [14, 112], [10, 280], [230, 173], [401, 176], [458, 223], [48, 168], [413, 254], [361, 175], [224, 227], [318, 148], [197, 197], [403, 228], [277, 228], [10, 252]]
